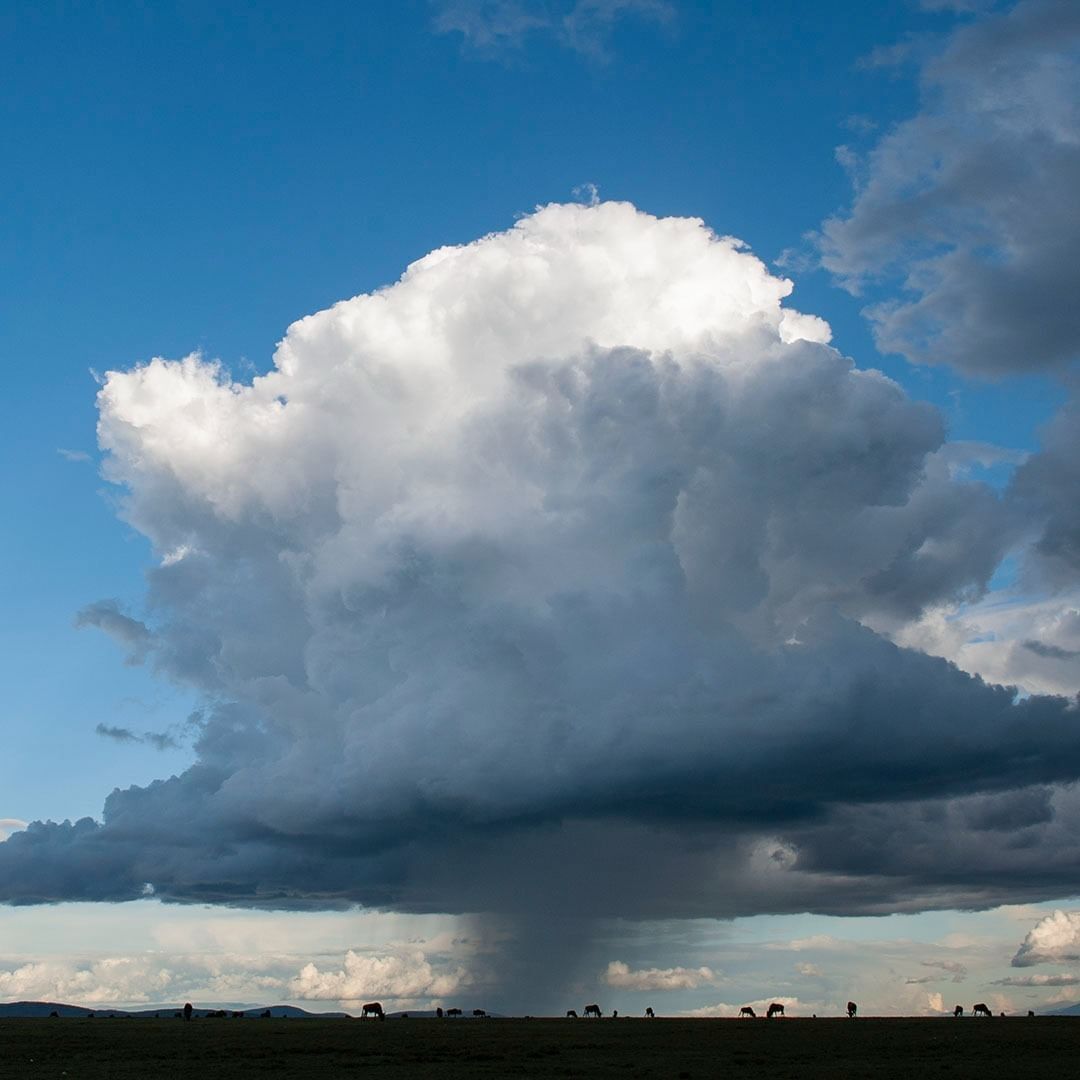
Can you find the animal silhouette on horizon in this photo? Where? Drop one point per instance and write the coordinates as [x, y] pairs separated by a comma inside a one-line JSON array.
[[981, 1010], [593, 1010], [373, 1008], [479, 1013], [571, 1014], [958, 1012], [453, 1012], [649, 1014], [775, 1009], [747, 1011], [852, 1009], [187, 1011]]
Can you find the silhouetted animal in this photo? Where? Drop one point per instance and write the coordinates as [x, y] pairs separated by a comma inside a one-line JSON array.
[[54, 1015], [958, 1011], [571, 1014], [593, 1010], [373, 1008], [479, 1013], [747, 1011], [981, 1010], [453, 1012], [775, 1009], [187, 1011], [852, 1009], [649, 1014], [438, 1013], [1030, 1012]]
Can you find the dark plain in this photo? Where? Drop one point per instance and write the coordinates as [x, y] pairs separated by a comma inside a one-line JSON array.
[[799, 1049]]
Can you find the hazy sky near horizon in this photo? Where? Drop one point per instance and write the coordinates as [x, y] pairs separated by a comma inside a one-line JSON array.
[[592, 482]]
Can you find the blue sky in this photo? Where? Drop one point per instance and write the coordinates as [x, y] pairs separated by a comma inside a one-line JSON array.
[[194, 178]]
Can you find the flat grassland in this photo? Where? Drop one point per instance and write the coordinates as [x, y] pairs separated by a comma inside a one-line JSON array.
[[877, 1049]]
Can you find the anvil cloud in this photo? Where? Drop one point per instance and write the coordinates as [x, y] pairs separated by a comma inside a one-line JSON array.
[[569, 554]]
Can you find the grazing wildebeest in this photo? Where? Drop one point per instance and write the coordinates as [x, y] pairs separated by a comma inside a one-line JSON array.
[[649, 1014], [479, 1013], [373, 1008], [747, 1011], [981, 1010], [958, 1011], [775, 1009], [1031, 1012], [438, 1013], [852, 1009], [187, 1011], [571, 1014], [453, 1012], [593, 1010]]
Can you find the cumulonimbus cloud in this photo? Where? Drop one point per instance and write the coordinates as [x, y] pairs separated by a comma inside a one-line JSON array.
[[553, 562]]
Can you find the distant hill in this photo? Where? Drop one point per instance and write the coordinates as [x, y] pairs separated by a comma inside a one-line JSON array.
[[46, 1008], [1065, 1010]]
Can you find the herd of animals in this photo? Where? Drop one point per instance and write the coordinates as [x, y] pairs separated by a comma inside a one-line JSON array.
[[375, 1009]]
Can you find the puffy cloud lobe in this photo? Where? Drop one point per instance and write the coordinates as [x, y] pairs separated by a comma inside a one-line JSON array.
[[541, 566], [362, 978], [970, 203], [620, 976], [1053, 939]]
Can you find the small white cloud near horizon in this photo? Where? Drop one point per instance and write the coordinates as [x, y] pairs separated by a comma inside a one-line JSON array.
[[405, 975], [620, 976], [1052, 940]]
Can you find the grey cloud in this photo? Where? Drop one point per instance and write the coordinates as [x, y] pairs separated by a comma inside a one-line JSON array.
[[538, 582], [160, 740], [954, 968], [107, 615], [1051, 652], [969, 205], [1039, 980], [1046, 488], [120, 734]]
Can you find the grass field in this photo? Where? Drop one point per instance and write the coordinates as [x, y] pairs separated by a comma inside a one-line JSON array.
[[878, 1049]]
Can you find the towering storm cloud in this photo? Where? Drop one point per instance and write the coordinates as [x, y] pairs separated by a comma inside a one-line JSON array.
[[564, 558]]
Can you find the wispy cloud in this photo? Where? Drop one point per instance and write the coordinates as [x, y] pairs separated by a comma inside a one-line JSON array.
[[73, 455], [157, 739], [584, 26]]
